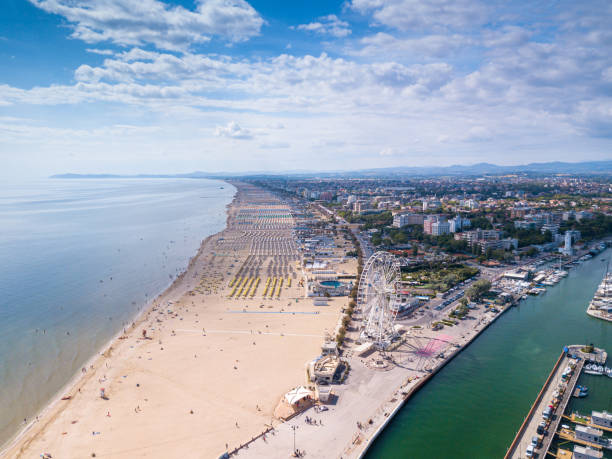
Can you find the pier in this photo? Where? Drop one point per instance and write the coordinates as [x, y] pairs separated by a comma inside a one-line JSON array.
[[555, 393], [586, 421]]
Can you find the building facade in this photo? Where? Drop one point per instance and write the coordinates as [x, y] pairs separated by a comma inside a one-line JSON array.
[[401, 220]]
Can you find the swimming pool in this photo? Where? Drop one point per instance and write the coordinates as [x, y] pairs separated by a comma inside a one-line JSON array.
[[331, 283]]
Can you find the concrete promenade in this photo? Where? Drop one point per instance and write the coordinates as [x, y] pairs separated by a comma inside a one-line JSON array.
[[370, 397]]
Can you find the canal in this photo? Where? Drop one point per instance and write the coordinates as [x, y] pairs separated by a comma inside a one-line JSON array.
[[473, 407]]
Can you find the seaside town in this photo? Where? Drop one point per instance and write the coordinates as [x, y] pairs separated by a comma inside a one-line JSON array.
[[325, 305], [451, 256], [353, 229]]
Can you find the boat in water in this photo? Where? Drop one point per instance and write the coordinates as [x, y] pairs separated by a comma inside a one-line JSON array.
[[601, 304], [593, 369], [581, 391]]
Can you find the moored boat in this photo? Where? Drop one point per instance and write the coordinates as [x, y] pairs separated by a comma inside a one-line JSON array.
[[593, 369]]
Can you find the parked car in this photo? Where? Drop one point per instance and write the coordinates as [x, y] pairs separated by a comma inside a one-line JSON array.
[[542, 428]]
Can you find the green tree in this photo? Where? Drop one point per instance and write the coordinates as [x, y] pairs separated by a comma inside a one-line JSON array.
[[478, 289]]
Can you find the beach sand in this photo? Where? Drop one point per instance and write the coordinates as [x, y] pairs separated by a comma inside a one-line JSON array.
[[211, 369]]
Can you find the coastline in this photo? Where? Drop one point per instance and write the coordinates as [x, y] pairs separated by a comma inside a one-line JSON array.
[[79, 378], [388, 405]]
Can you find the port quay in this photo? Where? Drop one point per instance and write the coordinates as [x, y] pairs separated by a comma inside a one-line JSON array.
[[543, 420]]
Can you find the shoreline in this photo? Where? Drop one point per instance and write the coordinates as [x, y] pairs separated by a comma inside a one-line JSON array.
[[100, 353], [179, 287], [204, 357]]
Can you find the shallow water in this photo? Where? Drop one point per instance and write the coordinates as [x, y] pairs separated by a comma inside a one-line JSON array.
[[475, 405], [78, 260]]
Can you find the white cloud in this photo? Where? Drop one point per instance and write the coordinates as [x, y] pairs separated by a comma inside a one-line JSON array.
[[102, 52], [410, 15], [327, 25], [506, 36], [28, 131], [288, 82], [386, 46], [521, 91], [558, 84], [388, 152], [135, 23], [233, 131], [274, 145], [477, 134], [595, 117]]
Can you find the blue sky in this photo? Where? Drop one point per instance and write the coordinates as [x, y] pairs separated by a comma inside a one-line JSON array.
[[129, 86]]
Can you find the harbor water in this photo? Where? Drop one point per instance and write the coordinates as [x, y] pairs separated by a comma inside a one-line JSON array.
[[474, 406], [78, 260]]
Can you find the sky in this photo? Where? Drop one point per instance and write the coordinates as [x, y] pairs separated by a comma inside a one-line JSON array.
[[167, 86]]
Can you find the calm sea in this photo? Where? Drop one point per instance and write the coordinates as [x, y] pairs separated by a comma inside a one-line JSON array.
[[78, 259]]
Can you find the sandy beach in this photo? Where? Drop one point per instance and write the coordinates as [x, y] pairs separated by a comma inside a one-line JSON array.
[[201, 371]]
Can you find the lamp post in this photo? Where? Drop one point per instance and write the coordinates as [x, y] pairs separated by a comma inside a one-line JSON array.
[[294, 428]]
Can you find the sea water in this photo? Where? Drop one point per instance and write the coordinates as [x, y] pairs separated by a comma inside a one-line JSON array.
[[78, 259]]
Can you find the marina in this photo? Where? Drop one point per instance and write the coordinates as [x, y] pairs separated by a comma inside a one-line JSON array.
[[601, 304], [537, 432], [513, 357]]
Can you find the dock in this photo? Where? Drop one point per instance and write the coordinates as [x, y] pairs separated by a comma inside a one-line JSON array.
[[571, 436], [556, 394], [586, 421]]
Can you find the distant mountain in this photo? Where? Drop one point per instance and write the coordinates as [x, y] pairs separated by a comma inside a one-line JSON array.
[[590, 167], [581, 168]]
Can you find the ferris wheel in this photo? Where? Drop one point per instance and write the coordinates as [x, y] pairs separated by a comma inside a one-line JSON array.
[[378, 298]]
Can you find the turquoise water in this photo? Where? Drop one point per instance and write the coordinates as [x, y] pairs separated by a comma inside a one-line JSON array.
[[474, 406], [331, 283], [78, 260]]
